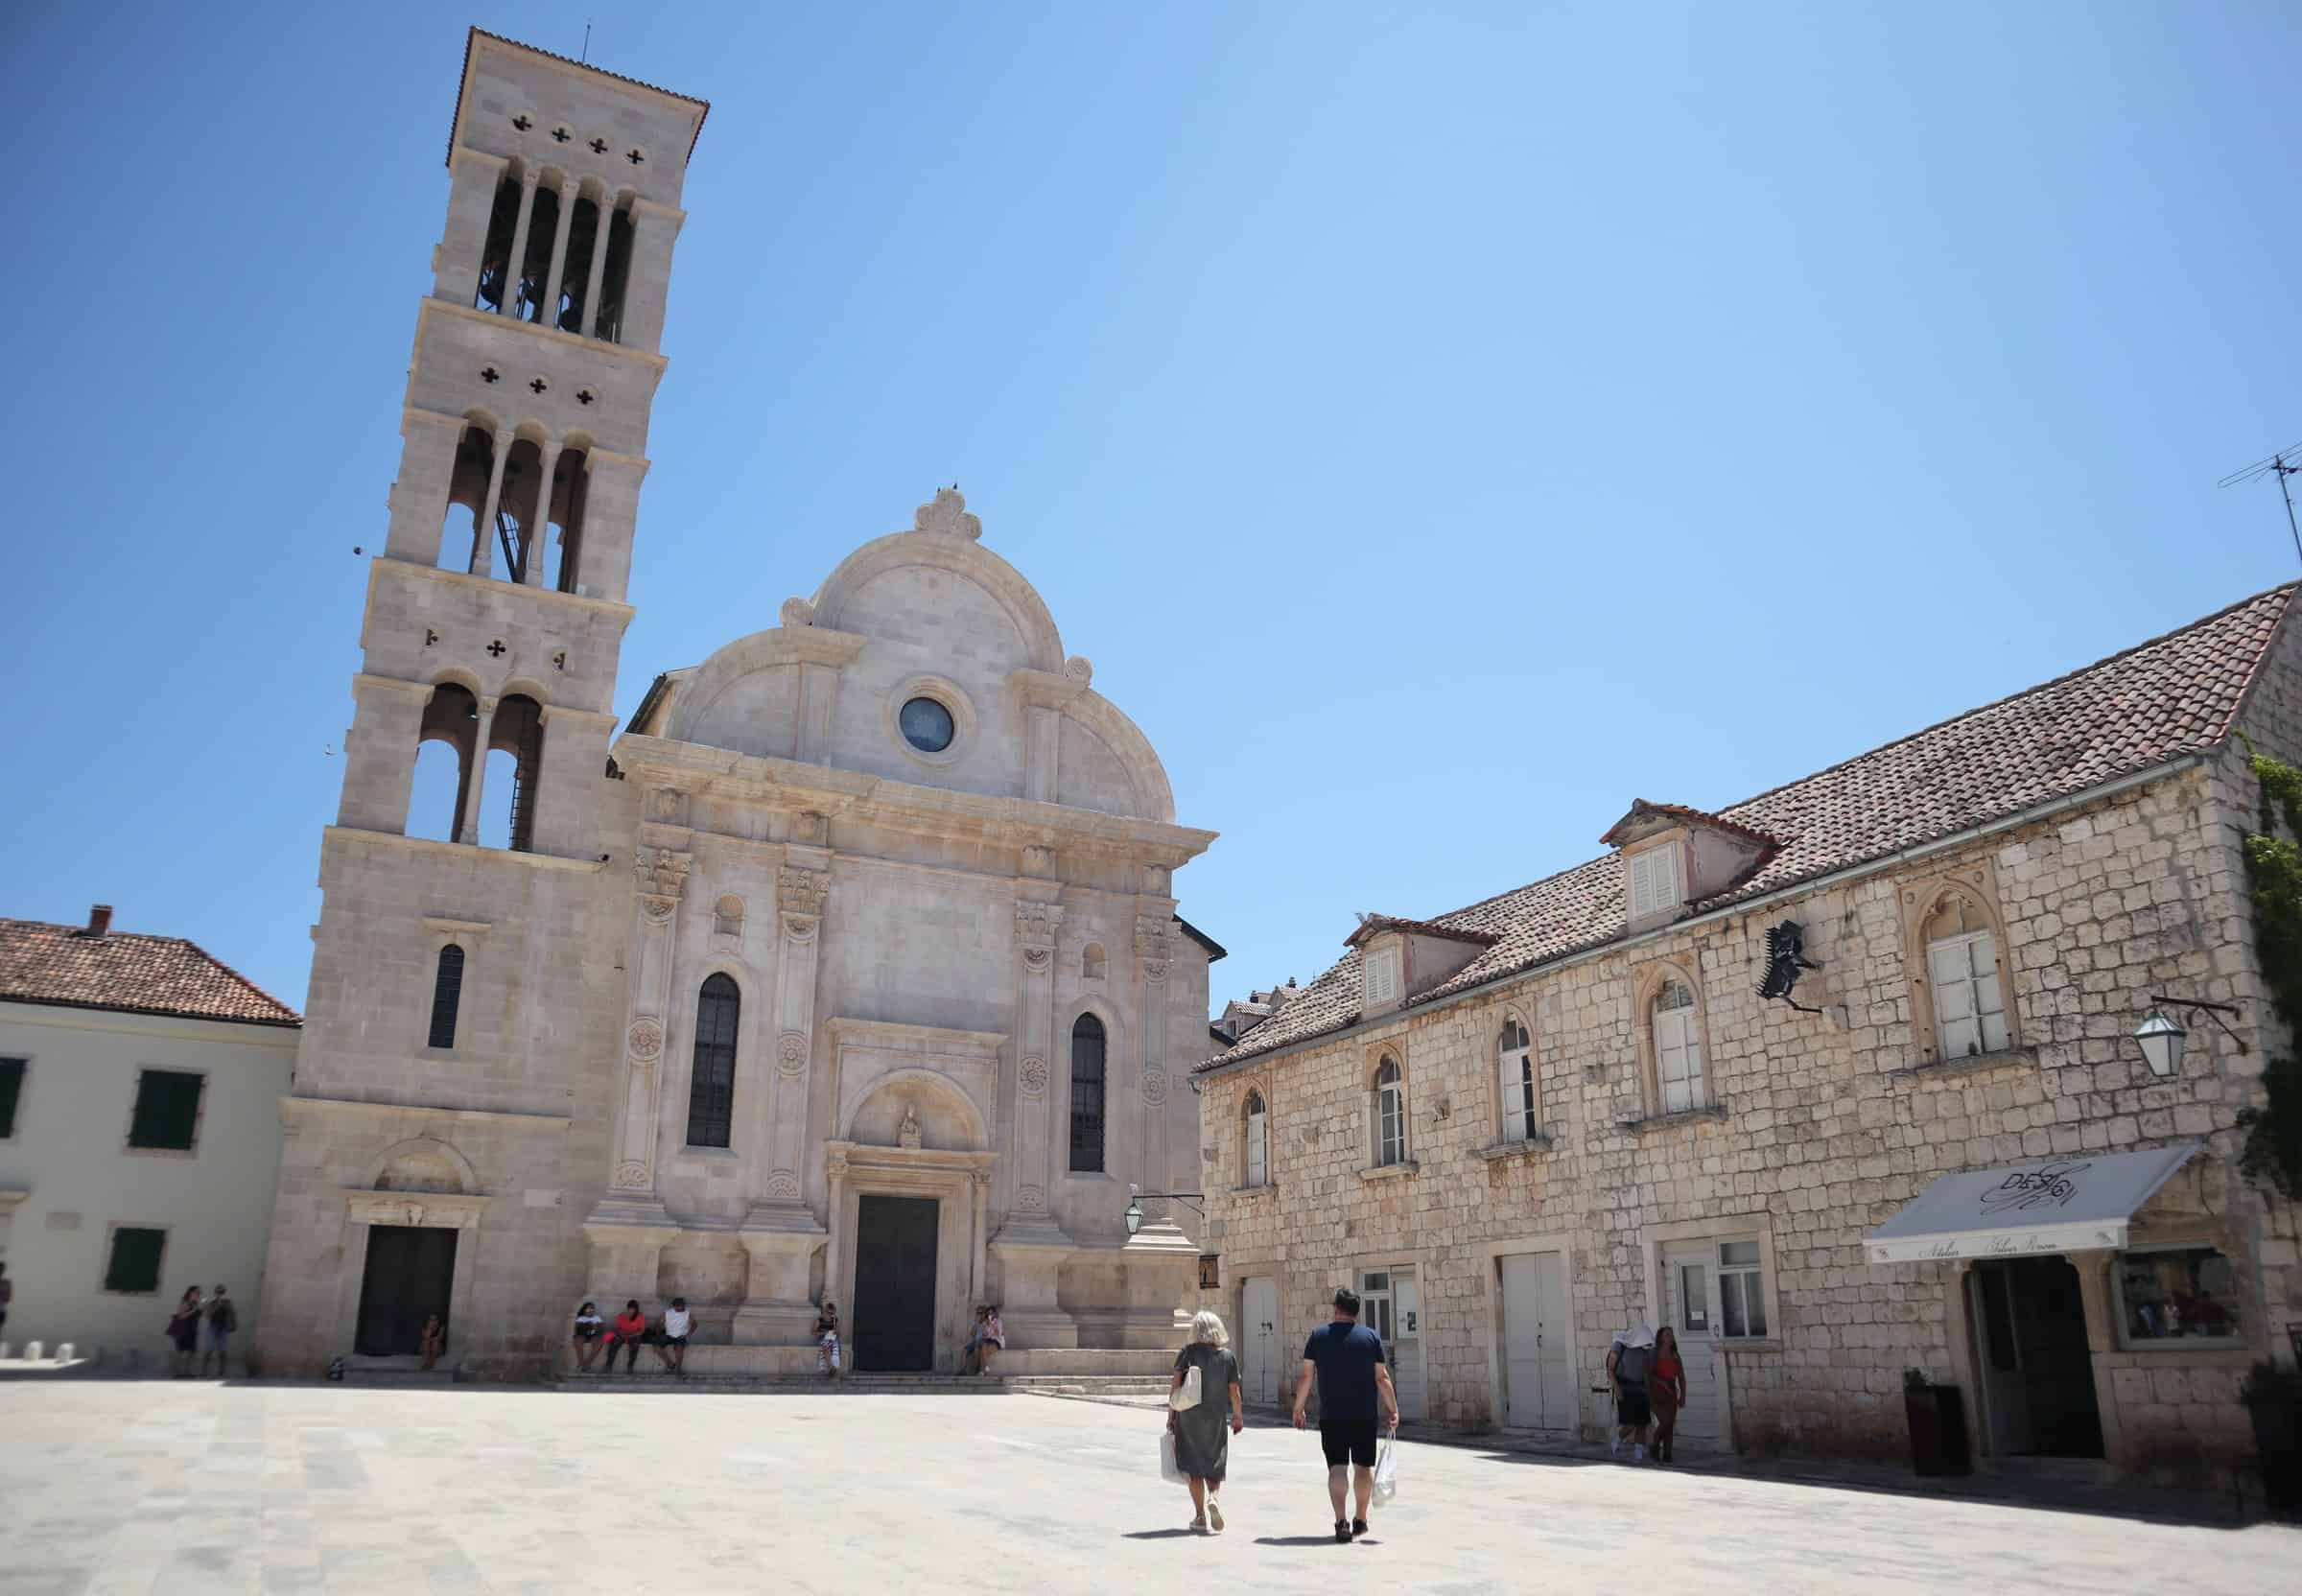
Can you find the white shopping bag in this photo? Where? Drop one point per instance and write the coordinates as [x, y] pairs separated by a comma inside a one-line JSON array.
[[1168, 1471], [1386, 1469]]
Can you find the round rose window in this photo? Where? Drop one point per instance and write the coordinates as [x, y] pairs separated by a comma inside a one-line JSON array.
[[927, 725]]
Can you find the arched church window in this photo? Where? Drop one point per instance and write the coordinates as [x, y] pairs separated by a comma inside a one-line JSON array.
[[712, 1085], [447, 996], [1087, 1095]]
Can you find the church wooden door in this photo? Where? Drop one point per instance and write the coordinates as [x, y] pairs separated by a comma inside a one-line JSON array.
[[410, 1271], [894, 1315]]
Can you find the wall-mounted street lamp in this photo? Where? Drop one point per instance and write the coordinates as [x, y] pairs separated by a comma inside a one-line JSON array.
[[1135, 1208], [2161, 1039]]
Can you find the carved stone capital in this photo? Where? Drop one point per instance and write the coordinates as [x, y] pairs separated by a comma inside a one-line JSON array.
[[662, 877], [1150, 938], [799, 894], [835, 1166], [1037, 924]]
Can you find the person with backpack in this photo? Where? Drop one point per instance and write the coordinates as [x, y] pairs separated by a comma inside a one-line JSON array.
[[223, 1320], [1629, 1359]]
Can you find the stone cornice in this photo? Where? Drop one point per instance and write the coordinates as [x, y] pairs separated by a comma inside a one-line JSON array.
[[452, 578], [613, 353], [877, 800], [299, 1108], [341, 835]]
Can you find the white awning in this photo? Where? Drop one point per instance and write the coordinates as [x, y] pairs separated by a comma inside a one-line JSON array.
[[2063, 1206]]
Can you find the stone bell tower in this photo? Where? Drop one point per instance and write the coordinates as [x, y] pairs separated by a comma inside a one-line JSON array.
[[462, 1025]]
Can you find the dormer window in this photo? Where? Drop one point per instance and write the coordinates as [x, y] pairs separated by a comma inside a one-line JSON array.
[[1382, 975], [1655, 883], [1674, 856]]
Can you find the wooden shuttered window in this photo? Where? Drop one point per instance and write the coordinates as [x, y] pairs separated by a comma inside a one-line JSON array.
[[1382, 975], [167, 1113], [1678, 1050], [1654, 880], [135, 1261], [11, 1091]]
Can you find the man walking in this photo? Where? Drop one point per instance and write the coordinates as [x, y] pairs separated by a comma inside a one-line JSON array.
[[1353, 1382]]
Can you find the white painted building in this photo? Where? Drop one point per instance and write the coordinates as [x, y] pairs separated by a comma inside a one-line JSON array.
[[140, 1087]]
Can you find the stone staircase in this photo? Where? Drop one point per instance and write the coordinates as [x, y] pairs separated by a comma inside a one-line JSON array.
[[1129, 1389]]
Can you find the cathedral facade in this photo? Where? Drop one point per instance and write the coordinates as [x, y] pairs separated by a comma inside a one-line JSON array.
[[849, 971]]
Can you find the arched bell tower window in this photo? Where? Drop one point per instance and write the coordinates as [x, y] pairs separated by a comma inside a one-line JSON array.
[[712, 1082], [1087, 1095]]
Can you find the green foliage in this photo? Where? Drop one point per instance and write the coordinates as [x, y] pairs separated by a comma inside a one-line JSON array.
[[2273, 1147]]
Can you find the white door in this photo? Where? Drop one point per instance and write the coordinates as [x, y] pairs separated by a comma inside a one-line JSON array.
[[1538, 1380], [1690, 1300], [1389, 1307], [1257, 1338]]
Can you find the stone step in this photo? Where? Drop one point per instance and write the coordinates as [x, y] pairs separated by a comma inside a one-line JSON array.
[[1074, 1385]]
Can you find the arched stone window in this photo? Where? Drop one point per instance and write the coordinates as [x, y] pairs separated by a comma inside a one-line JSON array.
[[1388, 1115], [712, 1082], [1678, 1080], [1091, 962], [516, 731], [447, 997], [1258, 1141], [1516, 1079], [1087, 1095], [1961, 968], [451, 716]]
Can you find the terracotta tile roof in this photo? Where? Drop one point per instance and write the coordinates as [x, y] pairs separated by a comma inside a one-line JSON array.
[[2154, 703], [1640, 810], [476, 34], [40, 963], [1375, 924]]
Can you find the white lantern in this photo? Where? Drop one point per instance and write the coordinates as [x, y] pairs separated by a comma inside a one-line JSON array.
[[2161, 1042]]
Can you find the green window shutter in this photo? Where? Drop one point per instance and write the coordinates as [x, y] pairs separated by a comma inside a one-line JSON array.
[[166, 1109], [11, 1087], [135, 1264]]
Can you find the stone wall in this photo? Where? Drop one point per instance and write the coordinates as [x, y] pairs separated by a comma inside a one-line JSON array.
[[1823, 1125]]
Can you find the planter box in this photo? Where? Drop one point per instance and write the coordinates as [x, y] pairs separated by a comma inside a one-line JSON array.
[[1938, 1429]]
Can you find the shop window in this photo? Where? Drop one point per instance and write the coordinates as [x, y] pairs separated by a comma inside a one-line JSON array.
[[134, 1263], [167, 1117], [2170, 1294], [1742, 1290]]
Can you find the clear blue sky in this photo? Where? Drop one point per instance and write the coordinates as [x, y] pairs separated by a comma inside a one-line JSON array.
[[1438, 430]]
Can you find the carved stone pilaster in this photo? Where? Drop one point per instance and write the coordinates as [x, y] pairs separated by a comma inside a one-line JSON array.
[[661, 879], [1031, 1147], [780, 1232], [1154, 948]]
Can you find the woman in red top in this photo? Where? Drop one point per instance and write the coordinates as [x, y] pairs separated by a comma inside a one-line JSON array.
[[1666, 1389], [623, 1336]]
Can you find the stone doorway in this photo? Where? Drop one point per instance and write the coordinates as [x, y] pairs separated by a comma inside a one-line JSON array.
[[2037, 1370], [410, 1274], [894, 1311]]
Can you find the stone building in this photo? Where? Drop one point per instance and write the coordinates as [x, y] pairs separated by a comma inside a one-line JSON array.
[[140, 1086], [849, 971], [1932, 1145]]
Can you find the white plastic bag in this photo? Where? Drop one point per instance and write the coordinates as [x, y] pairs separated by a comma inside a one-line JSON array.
[[1185, 1395], [1168, 1470], [1386, 1469]]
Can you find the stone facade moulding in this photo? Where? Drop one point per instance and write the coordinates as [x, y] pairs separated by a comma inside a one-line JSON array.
[[433, 1209]]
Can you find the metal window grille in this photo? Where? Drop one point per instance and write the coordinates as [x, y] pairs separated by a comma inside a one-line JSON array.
[[711, 1085], [1087, 1095], [447, 992]]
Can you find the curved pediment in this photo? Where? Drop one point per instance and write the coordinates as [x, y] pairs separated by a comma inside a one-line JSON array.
[[926, 614]]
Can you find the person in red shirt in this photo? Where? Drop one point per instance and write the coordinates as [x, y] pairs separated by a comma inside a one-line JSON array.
[[625, 1335], [1666, 1389]]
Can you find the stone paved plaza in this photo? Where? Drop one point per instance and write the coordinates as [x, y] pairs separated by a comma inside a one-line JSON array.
[[119, 1486]]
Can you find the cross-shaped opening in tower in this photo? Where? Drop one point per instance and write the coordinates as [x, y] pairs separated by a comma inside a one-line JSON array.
[[496, 648]]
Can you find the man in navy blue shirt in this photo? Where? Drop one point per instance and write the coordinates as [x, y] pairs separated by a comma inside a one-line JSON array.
[[1353, 1383]]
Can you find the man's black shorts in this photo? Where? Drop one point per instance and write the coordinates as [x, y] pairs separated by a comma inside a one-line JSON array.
[[1348, 1441]]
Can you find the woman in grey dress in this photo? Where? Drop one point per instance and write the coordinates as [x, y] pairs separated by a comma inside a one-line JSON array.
[[1202, 1432]]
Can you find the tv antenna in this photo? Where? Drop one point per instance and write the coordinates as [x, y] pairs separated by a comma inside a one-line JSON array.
[[2283, 465], [587, 42]]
